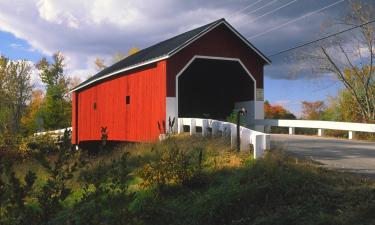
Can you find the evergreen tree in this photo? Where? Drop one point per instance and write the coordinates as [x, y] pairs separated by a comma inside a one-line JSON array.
[[56, 109]]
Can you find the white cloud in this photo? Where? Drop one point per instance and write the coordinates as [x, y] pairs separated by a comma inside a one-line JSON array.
[[35, 79], [85, 29]]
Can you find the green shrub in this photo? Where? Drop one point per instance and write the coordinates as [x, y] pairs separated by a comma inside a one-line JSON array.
[[9, 145], [42, 143], [173, 164], [232, 118], [23, 203], [105, 197], [13, 194]]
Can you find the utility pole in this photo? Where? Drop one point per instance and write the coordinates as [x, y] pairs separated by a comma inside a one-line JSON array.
[[241, 112]]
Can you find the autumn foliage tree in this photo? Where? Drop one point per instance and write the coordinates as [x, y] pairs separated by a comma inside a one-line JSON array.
[[276, 112], [31, 121], [118, 56], [15, 92], [342, 108], [313, 110], [349, 57]]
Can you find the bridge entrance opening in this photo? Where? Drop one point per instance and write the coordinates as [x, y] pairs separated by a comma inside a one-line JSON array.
[[209, 88]]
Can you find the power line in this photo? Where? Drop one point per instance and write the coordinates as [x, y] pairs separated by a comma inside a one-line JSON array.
[[265, 5], [323, 38], [299, 18], [257, 9], [248, 6], [274, 10]]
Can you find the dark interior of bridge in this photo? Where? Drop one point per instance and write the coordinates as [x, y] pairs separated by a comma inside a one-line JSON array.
[[208, 88]]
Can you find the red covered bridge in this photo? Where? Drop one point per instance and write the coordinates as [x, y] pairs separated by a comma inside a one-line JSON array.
[[205, 72]]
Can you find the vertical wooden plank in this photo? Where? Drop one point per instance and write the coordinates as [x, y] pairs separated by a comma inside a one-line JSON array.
[[134, 122], [74, 119]]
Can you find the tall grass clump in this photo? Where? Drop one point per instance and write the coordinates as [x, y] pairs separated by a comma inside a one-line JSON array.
[[173, 163]]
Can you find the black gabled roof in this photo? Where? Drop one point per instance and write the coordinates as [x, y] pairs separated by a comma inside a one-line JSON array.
[[155, 52]]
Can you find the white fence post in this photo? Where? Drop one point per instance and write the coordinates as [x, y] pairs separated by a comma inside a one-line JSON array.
[[245, 139], [292, 130], [192, 127], [267, 141], [204, 127], [180, 127], [226, 129], [233, 135], [258, 146], [215, 125], [351, 135], [320, 132]]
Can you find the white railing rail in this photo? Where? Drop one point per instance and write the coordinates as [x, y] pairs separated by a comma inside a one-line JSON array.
[[55, 133], [317, 124], [260, 141]]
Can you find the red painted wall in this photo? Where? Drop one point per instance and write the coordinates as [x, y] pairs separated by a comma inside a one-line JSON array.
[[136, 122], [74, 118], [219, 42]]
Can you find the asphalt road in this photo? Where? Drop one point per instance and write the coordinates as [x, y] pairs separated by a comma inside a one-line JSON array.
[[340, 154]]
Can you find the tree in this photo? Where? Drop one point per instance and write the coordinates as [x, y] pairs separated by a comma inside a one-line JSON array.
[[20, 91], [342, 108], [4, 104], [132, 51], [350, 58], [276, 112], [56, 109], [118, 56], [312, 110], [31, 120], [99, 63], [15, 84]]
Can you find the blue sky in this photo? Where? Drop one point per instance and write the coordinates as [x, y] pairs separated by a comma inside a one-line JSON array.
[[84, 30], [290, 93], [15, 48]]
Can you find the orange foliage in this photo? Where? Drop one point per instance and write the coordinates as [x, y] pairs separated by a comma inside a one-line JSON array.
[[313, 110], [276, 112], [29, 120]]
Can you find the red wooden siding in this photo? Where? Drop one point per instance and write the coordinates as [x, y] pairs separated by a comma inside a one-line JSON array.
[[74, 118], [219, 42], [137, 121]]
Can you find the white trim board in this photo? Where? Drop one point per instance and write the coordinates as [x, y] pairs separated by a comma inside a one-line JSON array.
[[120, 71], [214, 58], [176, 50]]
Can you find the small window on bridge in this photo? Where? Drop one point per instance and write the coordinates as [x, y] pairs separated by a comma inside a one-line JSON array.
[[127, 99]]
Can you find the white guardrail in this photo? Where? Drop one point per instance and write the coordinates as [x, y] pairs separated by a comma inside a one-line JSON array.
[[57, 133], [317, 124], [259, 140]]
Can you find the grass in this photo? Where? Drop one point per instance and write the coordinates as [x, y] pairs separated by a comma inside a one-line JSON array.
[[236, 189]]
